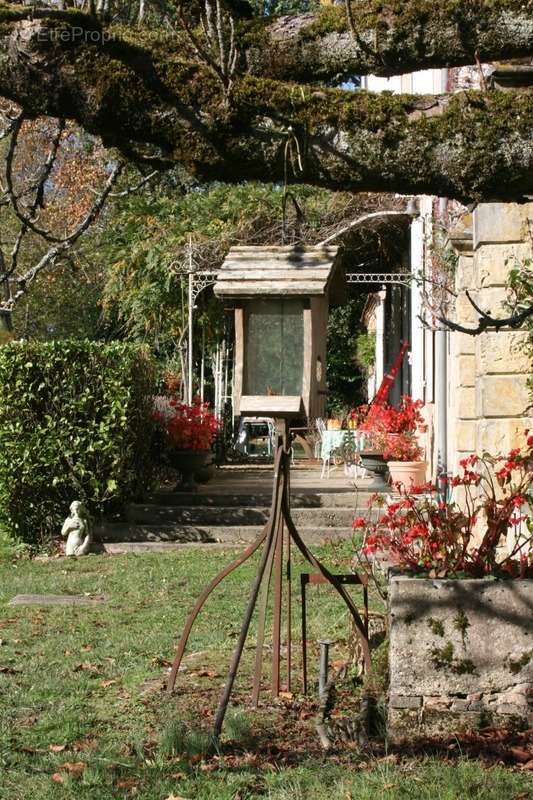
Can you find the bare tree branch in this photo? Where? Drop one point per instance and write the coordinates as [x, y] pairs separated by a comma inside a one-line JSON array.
[[61, 246], [486, 321]]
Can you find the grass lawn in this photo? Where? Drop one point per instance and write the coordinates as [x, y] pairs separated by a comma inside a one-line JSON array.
[[83, 714]]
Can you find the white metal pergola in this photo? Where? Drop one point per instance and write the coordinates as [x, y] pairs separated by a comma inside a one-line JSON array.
[[198, 280]]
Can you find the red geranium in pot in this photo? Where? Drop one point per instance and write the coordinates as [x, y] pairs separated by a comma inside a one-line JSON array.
[[190, 431]]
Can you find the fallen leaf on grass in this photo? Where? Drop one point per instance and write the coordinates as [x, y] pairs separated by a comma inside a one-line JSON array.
[[57, 777], [86, 648], [286, 695], [157, 661], [107, 683], [8, 671], [521, 754], [175, 797], [74, 767], [86, 666], [206, 673], [89, 743], [178, 776], [208, 766], [57, 748], [127, 783]]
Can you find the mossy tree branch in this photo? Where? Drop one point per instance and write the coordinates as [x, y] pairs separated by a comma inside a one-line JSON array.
[[152, 104], [390, 37]]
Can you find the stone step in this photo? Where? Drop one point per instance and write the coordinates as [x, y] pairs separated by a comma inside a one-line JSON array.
[[174, 533], [233, 515], [117, 548], [322, 499]]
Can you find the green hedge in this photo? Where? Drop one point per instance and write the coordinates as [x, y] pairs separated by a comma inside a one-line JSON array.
[[75, 423]]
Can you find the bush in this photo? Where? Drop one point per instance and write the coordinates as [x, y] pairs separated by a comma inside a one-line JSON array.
[[75, 423]]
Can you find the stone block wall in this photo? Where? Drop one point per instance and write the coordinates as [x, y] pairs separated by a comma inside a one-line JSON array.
[[501, 238], [489, 398], [461, 654]]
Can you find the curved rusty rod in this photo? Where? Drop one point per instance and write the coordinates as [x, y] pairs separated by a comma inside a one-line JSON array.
[[239, 647], [261, 624], [330, 577], [244, 556]]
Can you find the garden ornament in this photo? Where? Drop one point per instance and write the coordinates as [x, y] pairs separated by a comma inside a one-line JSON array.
[[77, 527]]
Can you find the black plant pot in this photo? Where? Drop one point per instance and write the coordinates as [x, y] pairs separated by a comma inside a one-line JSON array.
[[376, 465], [187, 463]]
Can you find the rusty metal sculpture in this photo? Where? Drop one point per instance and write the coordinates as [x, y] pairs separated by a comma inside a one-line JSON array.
[[270, 563]]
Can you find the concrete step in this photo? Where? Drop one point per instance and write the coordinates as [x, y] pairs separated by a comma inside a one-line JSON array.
[[116, 548], [321, 499], [236, 515], [174, 533]]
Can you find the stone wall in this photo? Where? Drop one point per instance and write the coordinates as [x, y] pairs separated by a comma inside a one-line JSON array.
[[489, 398], [501, 238], [461, 654]]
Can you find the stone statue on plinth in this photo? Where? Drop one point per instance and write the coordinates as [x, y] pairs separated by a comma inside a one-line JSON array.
[[77, 527]]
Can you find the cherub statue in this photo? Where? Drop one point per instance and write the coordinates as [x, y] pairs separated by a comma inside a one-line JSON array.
[[77, 527]]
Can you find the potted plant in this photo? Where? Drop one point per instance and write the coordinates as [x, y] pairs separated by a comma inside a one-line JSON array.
[[459, 594], [390, 440], [189, 431]]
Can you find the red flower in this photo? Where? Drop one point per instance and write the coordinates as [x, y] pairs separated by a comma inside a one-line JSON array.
[[191, 427], [359, 522], [422, 531]]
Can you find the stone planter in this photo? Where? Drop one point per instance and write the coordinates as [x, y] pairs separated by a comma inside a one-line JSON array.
[[188, 462], [408, 473], [461, 655]]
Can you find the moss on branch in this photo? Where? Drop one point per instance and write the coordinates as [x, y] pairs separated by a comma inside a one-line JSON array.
[[150, 102]]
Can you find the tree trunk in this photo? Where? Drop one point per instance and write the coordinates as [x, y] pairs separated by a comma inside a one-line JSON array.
[[155, 106]]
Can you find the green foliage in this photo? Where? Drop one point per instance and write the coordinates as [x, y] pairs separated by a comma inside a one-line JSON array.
[[345, 380], [75, 422], [179, 739], [272, 7], [366, 351], [62, 304], [9, 548], [143, 251]]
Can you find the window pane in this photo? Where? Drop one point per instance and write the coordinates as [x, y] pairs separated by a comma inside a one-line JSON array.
[[274, 341]]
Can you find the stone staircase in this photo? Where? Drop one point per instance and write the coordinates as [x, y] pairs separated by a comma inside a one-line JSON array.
[[171, 520]]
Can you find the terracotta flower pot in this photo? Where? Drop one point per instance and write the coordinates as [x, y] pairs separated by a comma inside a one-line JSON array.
[[408, 473]]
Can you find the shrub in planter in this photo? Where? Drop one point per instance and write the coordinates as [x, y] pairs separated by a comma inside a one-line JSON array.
[[75, 422], [460, 631], [424, 534]]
